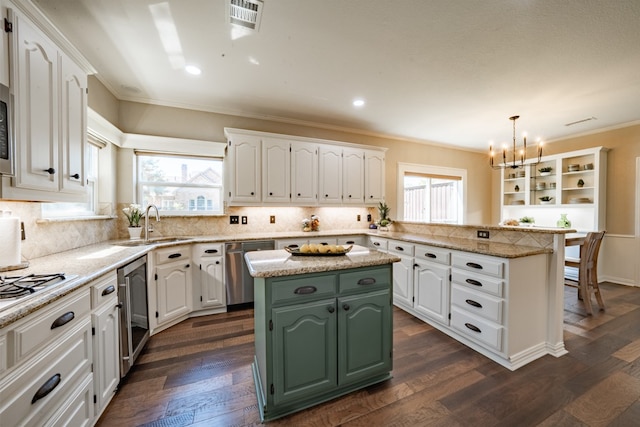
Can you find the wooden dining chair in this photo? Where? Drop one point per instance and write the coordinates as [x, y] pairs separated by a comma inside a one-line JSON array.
[[587, 266]]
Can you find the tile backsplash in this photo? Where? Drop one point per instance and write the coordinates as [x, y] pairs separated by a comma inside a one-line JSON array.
[[45, 237]]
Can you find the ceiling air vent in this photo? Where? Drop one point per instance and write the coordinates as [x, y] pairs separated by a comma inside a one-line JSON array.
[[246, 13]]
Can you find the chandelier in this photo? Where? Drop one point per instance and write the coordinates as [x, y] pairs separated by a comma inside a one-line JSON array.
[[516, 157]]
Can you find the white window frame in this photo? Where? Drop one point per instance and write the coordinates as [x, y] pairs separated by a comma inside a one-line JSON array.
[[165, 212], [404, 168]]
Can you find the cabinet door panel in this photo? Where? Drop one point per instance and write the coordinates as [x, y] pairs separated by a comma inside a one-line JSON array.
[[211, 281], [431, 287], [106, 322], [276, 170], [74, 125], [244, 155], [304, 180], [304, 350], [330, 185], [36, 92], [174, 291], [364, 336], [353, 176], [403, 281], [374, 177]]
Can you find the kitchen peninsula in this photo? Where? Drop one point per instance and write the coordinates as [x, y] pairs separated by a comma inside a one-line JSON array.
[[323, 326]]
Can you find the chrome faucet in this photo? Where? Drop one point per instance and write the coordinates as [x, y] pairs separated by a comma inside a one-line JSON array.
[[146, 221]]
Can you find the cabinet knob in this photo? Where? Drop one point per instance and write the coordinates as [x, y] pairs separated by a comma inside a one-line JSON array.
[[75, 176], [371, 196], [119, 305], [50, 171], [270, 193], [252, 193], [217, 262], [345, 307], [330, 309], [298, 194], [187, 266], [349, 195]]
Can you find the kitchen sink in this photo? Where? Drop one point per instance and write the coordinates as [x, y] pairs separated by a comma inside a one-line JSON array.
[[155, 241]]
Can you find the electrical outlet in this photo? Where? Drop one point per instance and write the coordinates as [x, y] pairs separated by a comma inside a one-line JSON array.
[[234, 219], [483, 234], [272, 219], [358, 217], [368, 217], [244, 219]]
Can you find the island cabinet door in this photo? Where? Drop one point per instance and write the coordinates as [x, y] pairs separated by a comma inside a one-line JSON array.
[[364, 336], [304, 350]]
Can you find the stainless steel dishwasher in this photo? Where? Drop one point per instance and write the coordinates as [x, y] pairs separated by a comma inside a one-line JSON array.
[[238, 281]]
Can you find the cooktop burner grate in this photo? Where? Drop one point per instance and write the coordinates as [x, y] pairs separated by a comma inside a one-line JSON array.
[[20, 286]]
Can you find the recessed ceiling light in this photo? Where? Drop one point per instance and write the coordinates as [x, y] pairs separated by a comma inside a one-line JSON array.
[[358, 102], [192, 69]]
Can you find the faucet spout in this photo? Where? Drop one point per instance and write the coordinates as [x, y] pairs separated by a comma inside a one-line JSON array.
[[146, 220]]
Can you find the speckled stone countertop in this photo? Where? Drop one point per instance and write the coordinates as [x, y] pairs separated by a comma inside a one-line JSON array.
[[90, 262], [281, 263]]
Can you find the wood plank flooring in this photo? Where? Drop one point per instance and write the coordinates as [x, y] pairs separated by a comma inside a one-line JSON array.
[[198, 373]]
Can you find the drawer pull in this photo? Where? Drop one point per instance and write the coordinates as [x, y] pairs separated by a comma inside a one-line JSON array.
[[473, 303], [430, 255], [376, 244], [211, 251], [176, 255], [108, 290], [367, 281], [305, 290], [399, 248], [350, 242], [473, 327], [473, 282], [474, 265], [292, 246], [63, 320], [46, 388]]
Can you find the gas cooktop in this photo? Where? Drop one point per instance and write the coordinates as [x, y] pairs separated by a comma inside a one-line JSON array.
[[14, 288]]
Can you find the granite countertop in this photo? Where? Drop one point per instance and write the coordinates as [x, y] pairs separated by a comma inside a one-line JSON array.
[[91, 262], [279, 263]]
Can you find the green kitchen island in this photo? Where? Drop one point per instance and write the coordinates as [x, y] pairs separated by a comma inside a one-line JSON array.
[[323, 326]]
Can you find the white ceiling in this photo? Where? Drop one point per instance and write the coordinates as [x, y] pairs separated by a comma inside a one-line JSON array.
[[442, 71]]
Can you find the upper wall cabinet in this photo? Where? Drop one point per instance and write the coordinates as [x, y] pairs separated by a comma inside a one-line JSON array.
[[572, 183], [300, 171], [50, 118], [4, 49]]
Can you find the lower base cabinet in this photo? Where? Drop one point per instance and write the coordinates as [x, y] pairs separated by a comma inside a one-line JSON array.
[[319, 336]]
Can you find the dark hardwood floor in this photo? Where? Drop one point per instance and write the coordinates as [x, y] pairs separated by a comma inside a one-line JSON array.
[[198, 373]]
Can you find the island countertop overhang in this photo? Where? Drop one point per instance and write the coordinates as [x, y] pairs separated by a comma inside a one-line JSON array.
[[278, 263]]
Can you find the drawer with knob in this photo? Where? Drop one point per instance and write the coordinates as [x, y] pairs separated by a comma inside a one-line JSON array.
[[401, 248], [207, 250], [478, 303], [477, 328], [303, 289], [430, 253], [171, 254], [478, 264]]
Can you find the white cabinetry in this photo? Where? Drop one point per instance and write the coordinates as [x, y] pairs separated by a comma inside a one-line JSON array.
[[49, 374], [304, 173], [276, 171], [4, 48], [352, 176], [173, 284], [402, 273], [243, 168], [571, 183], [431, 283], [210, 290], [105, 317], [373, 176], [330, 175], [50, 100], [271, 169]]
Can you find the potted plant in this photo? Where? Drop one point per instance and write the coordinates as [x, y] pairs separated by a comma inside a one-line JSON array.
[[527, 220], [134, 214], [545, 200], [545, 171], [580, 183], [384, 221]]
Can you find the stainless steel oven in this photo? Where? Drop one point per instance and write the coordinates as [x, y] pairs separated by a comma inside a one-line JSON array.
[[134, 320], [7, 158]]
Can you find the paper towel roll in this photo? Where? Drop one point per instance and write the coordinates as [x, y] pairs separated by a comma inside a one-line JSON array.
[[9, 242]]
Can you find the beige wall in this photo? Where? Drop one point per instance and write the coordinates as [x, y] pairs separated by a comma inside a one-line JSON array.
[[166, 121], [102, 101]]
